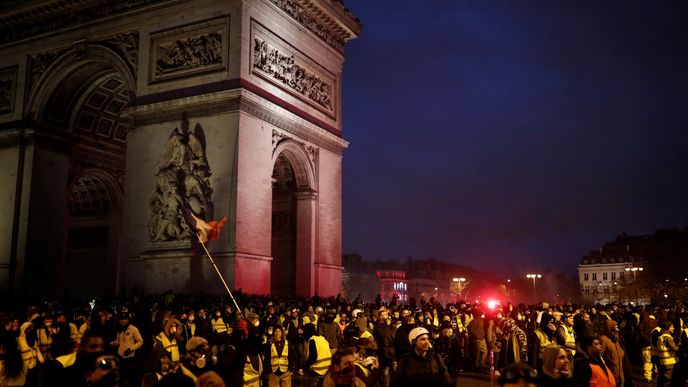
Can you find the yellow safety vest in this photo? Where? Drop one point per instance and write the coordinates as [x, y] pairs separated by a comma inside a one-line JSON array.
[[364, 369], [279, 360], [219, 325], [251, 375], [28, 353], [570, 338], [67, 360], [169, 345], [544, 340], [44, 340], [324, 355], [667, 356], [366, 335]]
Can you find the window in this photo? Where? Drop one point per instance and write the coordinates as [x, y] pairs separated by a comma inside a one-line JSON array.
[[594, 276], [621, 274], [585, 276], [604, 275], [613, 275]]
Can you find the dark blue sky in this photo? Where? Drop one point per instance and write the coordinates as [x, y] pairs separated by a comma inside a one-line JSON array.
[[491, 133]]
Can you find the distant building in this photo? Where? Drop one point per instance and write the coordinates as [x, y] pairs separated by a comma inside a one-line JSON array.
[[412, 279], [393, 282], [642, 269]]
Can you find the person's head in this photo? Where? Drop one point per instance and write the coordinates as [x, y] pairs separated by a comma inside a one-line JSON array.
[[586, 316], [568, 319], [198, 352], [419, 338], [277, 333], [383, 314], [555, 362], [172, 326], [591, 345], [342, 370], [518, 375], [124, 319], [92, 343], [667, 326]]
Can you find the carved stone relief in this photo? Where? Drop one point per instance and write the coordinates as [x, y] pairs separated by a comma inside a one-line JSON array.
[[306, 19], [8, 89], [278, 137], [40, 62], [189, 50], [182, 180], [278, 62]]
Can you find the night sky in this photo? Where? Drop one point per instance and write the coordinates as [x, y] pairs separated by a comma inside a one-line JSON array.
[[504, 133]]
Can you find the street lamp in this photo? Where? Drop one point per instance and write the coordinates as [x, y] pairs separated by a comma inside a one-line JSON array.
[[534, 276], [635, 269]]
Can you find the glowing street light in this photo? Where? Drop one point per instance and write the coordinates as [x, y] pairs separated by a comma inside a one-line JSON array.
[[534, 276], [634, 269]]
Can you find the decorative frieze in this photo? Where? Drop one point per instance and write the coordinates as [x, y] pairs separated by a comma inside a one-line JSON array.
[[8, 89], [299, 13], [189, 50], [275, 60], [182, 181], [310, 150], [40, 62]]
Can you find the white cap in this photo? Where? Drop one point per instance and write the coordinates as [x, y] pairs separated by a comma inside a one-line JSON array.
[[356, 312], [416, 333]]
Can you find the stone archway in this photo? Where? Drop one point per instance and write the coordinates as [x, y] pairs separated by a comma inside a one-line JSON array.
[[78, 172], [293, 221]]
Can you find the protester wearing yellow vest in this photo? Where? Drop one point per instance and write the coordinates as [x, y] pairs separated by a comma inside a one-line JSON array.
[[666, 352], [168, 338], [253, 368], [278, 355], [319, 354]]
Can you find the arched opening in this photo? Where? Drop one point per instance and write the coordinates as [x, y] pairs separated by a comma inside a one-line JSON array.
[[78, 173], [283, 228], [90, 264], [293, 221]]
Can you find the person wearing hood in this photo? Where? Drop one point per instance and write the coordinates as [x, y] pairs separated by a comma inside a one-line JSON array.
[[542, 337], [168, 338], [421, 366], [319, 355], [556, 370], [612, 350]]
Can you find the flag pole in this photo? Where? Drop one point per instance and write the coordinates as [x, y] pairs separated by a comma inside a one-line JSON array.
[[220, 274]]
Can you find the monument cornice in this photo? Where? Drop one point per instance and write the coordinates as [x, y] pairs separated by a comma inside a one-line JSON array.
[[329, 20], [226, 102]]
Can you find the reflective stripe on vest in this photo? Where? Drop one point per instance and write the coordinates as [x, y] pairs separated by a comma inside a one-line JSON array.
[[365, 370], [67, 360], [28, 354], [219, 325], [170, 346], [280, 361], [251, 375], [667, 356], [324, 355], [600, 378]]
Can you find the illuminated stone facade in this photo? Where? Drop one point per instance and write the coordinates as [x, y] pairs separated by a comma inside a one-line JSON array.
[[117, 114]]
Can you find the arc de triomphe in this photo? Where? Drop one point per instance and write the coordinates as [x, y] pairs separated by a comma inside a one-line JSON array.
[[115, 114]]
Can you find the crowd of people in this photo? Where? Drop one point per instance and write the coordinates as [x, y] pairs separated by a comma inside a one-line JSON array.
[[187, 340]]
